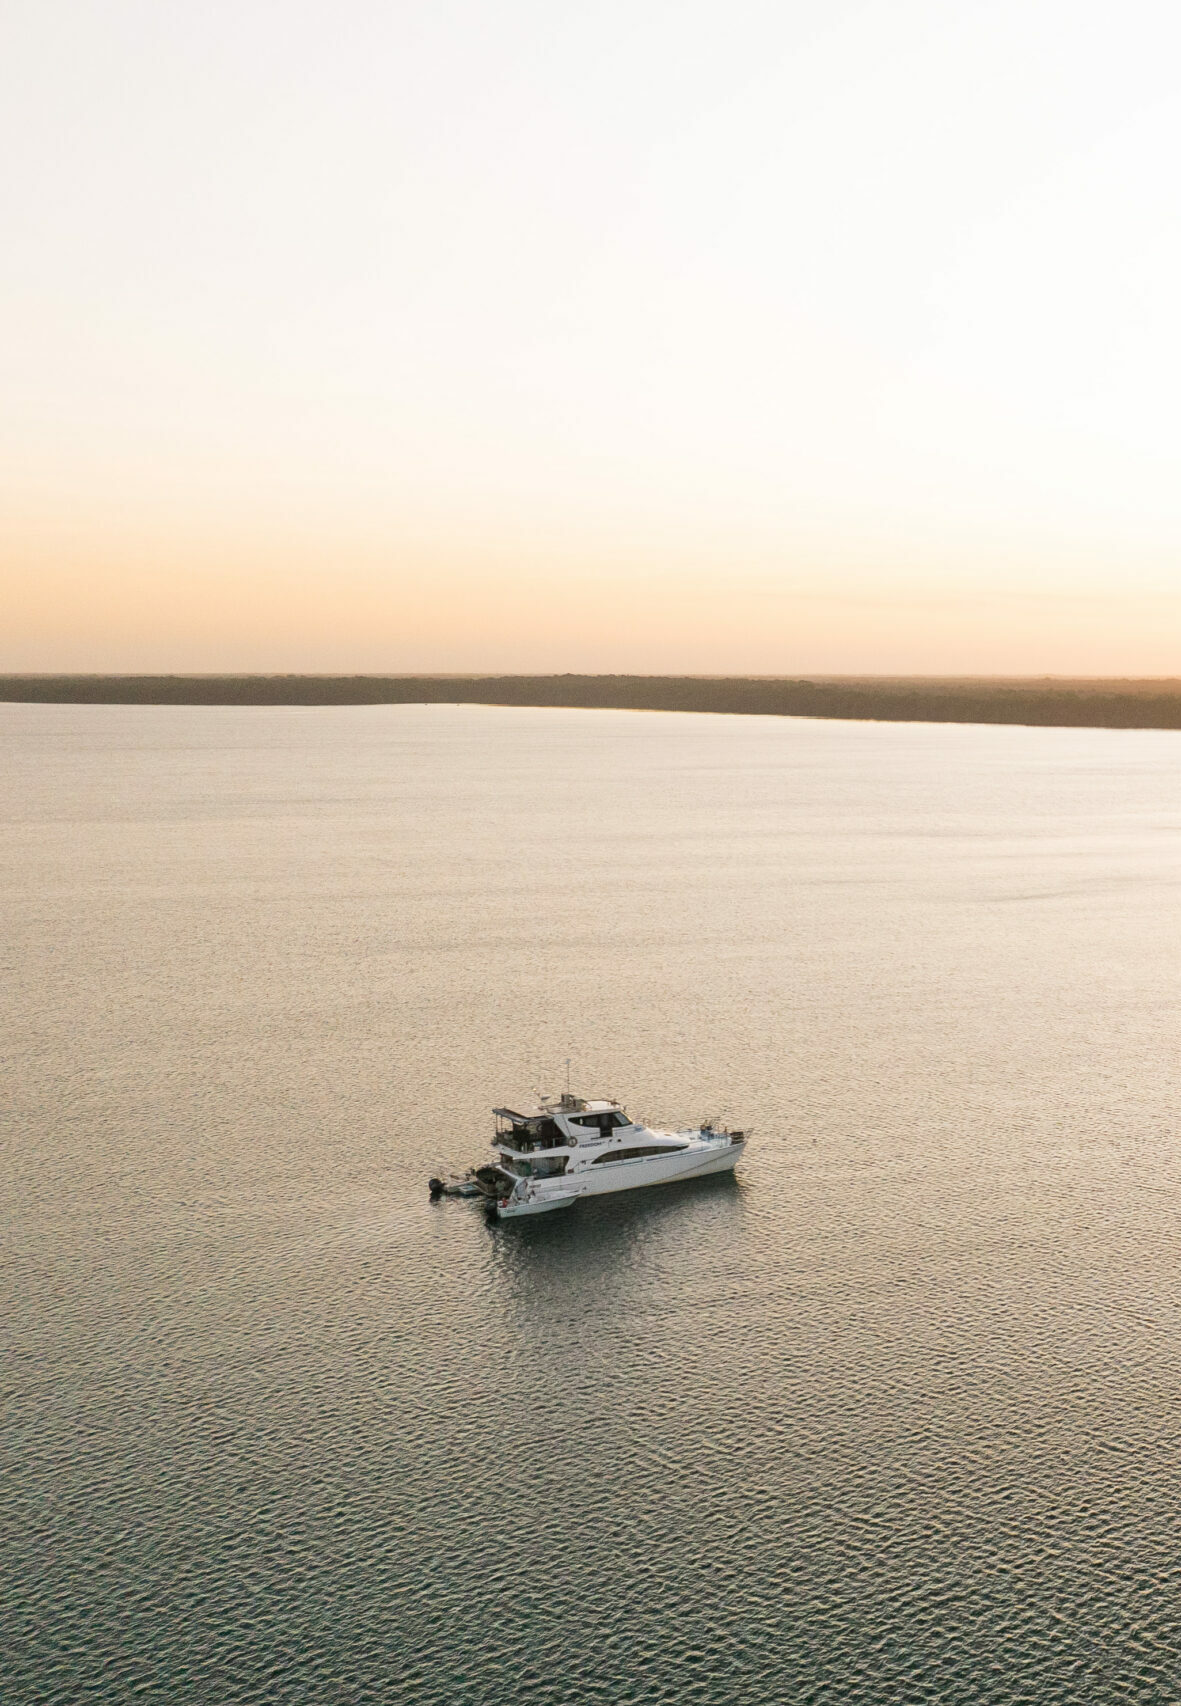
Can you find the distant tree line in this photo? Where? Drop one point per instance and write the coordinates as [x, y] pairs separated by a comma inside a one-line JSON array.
[[1048, 703]]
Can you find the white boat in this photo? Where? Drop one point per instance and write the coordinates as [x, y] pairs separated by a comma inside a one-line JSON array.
[[563, 1148]]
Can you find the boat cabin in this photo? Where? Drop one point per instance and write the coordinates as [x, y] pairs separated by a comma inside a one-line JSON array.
[[565, 1131], [539, 1142]]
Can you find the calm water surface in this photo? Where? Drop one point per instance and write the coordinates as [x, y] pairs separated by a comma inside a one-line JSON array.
[[890, 1417]]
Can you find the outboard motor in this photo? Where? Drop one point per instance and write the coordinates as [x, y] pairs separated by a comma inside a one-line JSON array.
[[436, 1187]]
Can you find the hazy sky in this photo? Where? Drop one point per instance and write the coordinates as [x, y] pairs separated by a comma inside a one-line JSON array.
[[800, 336]]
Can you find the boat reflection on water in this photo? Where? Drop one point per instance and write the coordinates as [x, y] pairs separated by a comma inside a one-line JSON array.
[[560, 1278]]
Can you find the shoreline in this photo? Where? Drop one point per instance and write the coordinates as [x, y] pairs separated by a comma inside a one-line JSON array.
[[1041, 702]]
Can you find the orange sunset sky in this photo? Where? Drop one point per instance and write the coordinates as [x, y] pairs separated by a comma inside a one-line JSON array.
[[821, 337]]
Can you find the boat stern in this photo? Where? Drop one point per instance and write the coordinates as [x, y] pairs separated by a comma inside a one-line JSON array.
[[520, 1202]]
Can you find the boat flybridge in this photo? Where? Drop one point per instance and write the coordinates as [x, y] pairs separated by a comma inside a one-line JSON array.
[[563, 1148]]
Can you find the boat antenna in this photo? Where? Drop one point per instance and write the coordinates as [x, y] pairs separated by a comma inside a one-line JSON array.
[[567, 1075]]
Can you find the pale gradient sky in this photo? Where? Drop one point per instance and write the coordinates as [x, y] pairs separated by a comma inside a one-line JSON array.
[[793, 336]]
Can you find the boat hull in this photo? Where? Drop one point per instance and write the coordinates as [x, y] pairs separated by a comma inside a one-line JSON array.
[[693, 1163], [634, 1175], [513, 1207]]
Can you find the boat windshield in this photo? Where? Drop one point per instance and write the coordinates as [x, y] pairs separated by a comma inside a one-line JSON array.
[[600, 1122]]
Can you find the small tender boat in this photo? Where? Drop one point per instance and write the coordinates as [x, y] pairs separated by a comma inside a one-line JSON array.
[[456, 1185], [563, 1148]]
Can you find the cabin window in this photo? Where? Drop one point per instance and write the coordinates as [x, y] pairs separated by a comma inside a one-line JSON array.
[[600, 1122], [592, 1122], [548, 1166], [641, 1153]]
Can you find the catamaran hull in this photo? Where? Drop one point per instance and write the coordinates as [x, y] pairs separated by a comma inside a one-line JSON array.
[[629, 1176], [516, 1206], [659, 1171]]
